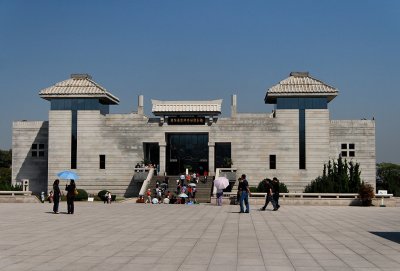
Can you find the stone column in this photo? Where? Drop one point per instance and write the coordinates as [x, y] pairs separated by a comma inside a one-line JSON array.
[[233, 106], [140, 105], [163, 164], [211, 154]]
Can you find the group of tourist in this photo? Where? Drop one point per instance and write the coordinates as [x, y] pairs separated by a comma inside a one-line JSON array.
[[185, 191], [139, 167], [71, 193]]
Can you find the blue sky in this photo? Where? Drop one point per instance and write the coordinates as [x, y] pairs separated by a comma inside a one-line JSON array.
[[193, 50]]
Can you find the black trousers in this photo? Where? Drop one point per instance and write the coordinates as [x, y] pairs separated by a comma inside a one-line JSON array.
[[276, 199], [55, 204], [70, 204], [269, 199]]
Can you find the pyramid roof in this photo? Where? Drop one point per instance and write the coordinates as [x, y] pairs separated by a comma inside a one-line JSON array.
[[78, 86], [300, 84]]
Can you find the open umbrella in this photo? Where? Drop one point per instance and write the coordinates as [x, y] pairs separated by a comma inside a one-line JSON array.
[[183, 195], [68, 175], [221, 182], [192, 184]]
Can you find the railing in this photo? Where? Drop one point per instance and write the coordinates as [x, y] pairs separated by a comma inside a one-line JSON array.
[[313, 195], [146, 182], [142, 169], [13, 193]]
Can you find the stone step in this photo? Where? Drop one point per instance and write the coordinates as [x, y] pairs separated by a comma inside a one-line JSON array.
[[203, 190]]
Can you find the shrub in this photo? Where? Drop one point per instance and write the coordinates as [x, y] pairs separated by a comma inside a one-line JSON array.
[[102, 193], [337, 177], [283, 188], [5, 186], [262, 187], [253, 189], [82, 195], [366, 194]]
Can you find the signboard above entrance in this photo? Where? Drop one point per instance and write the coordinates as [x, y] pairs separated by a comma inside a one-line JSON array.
[[186, 120]]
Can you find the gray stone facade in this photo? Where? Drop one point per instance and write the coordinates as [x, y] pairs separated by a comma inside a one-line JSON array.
[[253, 138], [24, 164]]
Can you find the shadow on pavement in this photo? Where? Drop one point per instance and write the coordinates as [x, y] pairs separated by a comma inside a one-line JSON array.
[[392, 236], [60, 213]]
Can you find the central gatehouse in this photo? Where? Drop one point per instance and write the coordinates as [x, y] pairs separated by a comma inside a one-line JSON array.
[[292, 142]]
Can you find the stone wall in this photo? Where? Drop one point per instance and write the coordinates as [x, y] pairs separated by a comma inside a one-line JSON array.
[[59, 158], [24, 166], [362, 134]]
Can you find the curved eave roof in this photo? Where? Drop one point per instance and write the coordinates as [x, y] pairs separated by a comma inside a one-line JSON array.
[[300, 85], [212, 107], [78, 88]]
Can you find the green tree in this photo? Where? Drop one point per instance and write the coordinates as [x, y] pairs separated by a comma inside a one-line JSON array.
[[388, 176], [5, 158], [337, 177], [5, 168]]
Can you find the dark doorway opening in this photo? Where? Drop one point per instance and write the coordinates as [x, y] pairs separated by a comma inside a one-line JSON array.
[[223, 155], [151, 153], [187, 150]]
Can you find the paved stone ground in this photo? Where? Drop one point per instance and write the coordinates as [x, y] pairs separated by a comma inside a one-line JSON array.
[[129, 236]]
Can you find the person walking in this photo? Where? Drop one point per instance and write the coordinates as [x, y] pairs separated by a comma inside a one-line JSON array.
[[239, 192], [182, 179], [70, 196], [268, 197], [275, 196], [244, 196], [220, 193], [194, 194], [56, 195], [109, 198]]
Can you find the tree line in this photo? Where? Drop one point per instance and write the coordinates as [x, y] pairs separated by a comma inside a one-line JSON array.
[[342, 176], [5, 169]]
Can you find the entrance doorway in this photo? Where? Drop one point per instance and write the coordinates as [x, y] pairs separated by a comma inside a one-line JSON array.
[[151, 153], [223, 155], [187, 150]]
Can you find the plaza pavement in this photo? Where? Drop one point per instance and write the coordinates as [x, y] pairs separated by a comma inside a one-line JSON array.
[[130, 236]]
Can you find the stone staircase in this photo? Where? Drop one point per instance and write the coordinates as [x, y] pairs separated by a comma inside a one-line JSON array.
[[203, 187], [296, 187]]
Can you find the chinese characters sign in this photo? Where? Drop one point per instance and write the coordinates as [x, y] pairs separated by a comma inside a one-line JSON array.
[[186, 120]]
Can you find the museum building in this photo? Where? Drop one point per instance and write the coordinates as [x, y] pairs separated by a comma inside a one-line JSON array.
[[292, 142]]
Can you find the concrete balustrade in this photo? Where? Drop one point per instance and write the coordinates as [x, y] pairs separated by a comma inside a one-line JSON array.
[[316, 199]]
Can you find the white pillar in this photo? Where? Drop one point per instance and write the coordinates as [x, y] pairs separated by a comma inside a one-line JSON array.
[[163, 147], [140, 109], [233, 106], [211, 153]]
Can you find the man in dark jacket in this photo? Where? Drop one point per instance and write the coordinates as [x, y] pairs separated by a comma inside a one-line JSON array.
[[244, 197], [268, 197], [275, 196], [70, 196]]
